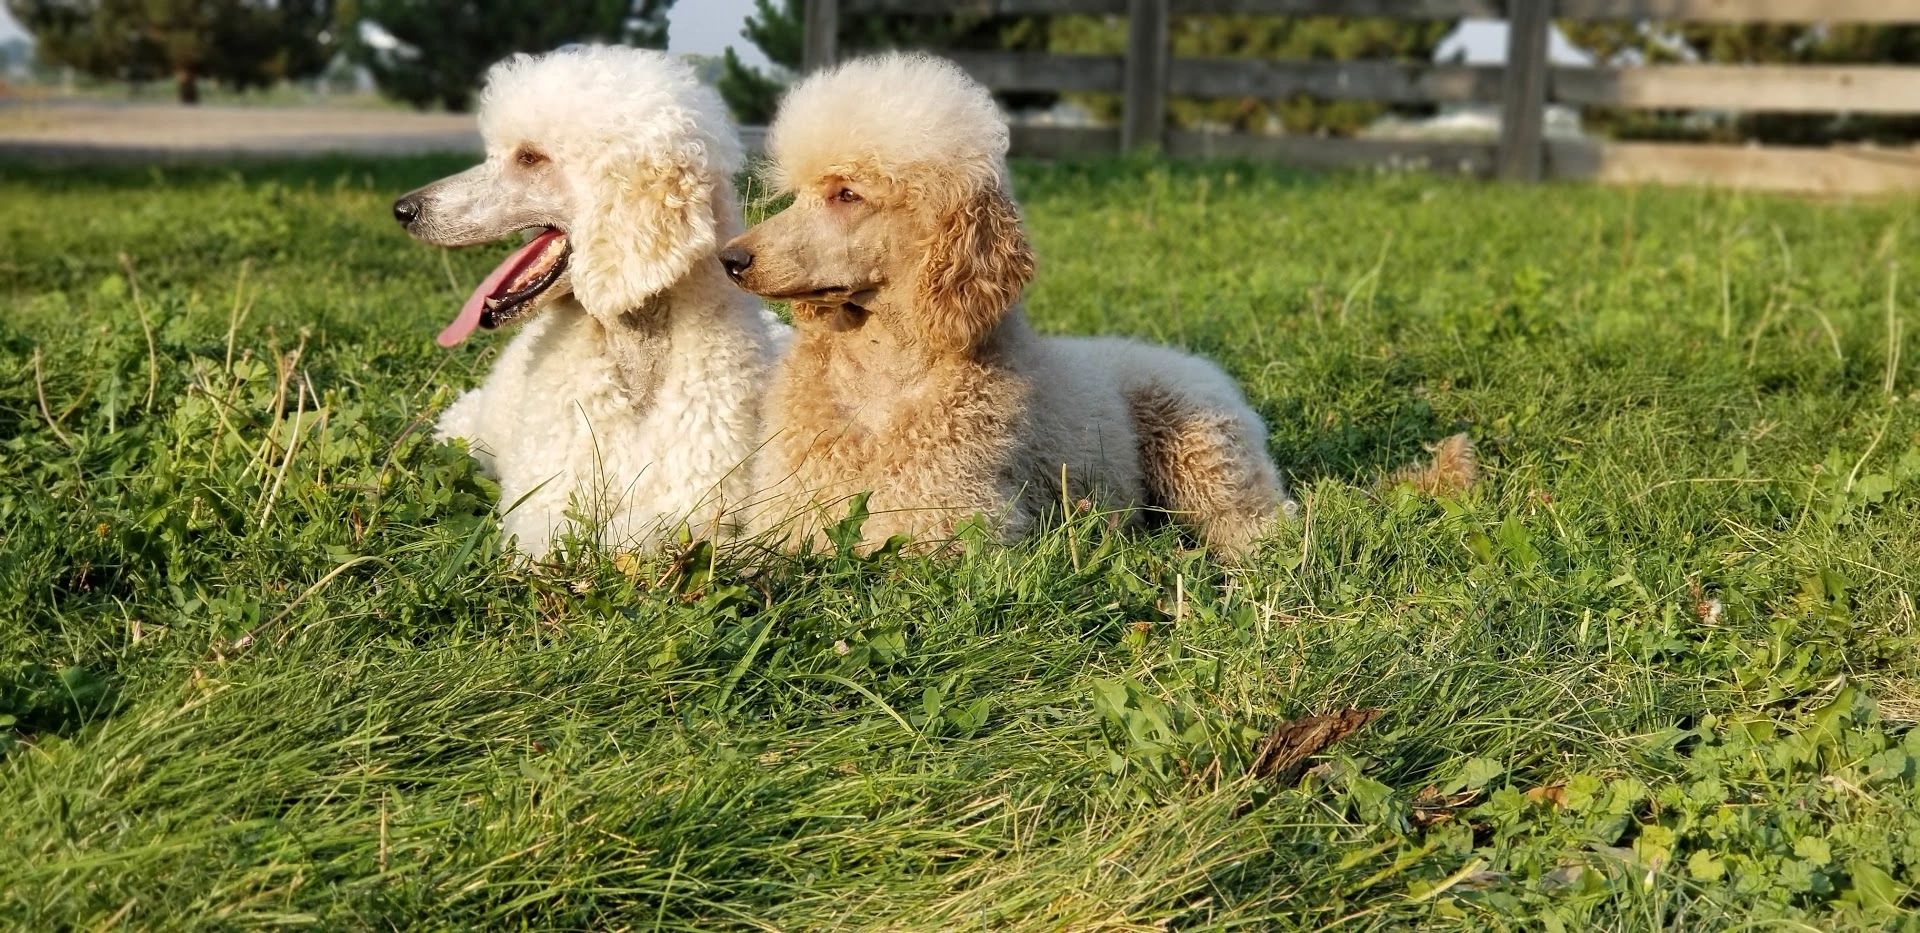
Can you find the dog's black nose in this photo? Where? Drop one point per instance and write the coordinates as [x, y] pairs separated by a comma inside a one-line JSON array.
[[736, 260], [406, 210]]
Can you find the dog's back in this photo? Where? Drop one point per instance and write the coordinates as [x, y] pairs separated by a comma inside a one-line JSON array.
[[1199, 450]]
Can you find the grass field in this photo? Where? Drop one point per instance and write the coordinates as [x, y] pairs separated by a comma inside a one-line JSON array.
[[1658, 669]]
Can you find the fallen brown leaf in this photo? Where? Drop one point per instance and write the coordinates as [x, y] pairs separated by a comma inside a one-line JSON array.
[[1283, 754], [1554, 795], [1431, 808], [1452, 470]]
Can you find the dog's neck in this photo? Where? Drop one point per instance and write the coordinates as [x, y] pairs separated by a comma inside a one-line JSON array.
[[640, 340], [874, 353], [637, 343]]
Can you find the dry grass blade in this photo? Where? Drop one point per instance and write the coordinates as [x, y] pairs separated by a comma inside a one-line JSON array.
[[40, 390], [146, 327], [1282, 755]]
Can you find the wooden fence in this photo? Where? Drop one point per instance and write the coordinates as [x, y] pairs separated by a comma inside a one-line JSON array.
[[1148, 74]]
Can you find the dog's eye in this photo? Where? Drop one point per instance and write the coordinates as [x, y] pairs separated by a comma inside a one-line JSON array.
[[847, 196], [529, 157]]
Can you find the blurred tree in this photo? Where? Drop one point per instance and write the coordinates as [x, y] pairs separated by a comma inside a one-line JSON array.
[[1263, 37], [1748, 44], [777, 31], [444, 46], [707, 68], [776, 28], [240, 43]]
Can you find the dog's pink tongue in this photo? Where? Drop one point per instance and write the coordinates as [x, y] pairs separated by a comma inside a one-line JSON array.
[[469, 317]]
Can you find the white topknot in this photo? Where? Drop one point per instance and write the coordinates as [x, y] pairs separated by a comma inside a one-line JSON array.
[[894, 114], [592, 96]]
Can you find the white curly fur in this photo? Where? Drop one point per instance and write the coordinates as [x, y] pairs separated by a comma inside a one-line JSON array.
[[561, 421], [656, 140]]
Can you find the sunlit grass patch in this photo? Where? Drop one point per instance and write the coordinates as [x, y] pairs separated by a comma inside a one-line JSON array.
[[262, 657]]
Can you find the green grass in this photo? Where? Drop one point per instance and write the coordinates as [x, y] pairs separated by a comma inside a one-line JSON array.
[[1657, 669]]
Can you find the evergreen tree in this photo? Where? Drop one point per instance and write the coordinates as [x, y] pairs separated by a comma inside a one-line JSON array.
[[778, 32], [448, 44], [776, 28], [240, 43]]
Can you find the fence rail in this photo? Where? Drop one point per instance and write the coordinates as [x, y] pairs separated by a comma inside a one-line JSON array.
[[1148, 74]]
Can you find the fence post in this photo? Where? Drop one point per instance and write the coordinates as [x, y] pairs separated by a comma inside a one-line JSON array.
[[1143, 124], [822, 43], [1523, 97]]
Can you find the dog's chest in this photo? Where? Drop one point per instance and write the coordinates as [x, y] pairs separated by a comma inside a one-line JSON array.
[[562, 421], [848, 423]]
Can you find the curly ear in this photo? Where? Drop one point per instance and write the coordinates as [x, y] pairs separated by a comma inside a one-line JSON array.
[[647, 217], [977, 263]]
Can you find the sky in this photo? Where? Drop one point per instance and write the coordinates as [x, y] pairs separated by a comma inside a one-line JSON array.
[[708, 26]]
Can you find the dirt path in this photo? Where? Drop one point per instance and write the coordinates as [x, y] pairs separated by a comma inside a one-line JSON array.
[[76, 131]]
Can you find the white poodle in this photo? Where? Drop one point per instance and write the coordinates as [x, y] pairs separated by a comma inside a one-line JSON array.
[[627, 404], [914, 374]]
